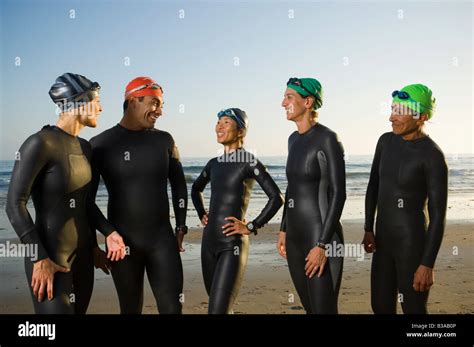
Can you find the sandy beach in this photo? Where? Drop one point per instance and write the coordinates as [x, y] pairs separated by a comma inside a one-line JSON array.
[[267, 286]]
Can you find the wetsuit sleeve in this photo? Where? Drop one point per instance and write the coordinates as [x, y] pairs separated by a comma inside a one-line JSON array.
[[179, 190], [334, 153], [436, 173], [260, 173], [372, 189], [33, 157], [96, 217], [197, 189], [283, 217]]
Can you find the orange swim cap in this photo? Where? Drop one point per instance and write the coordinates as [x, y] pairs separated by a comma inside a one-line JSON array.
[[142, 86]]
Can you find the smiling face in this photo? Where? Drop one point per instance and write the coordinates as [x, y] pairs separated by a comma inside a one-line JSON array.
[[145, 112], [295, 105], [227, 131], [405, 120]]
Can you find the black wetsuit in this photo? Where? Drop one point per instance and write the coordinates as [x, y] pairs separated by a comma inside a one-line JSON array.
[[404, 175], [53, 167], [135, 167], [224, 258], [313, 206]]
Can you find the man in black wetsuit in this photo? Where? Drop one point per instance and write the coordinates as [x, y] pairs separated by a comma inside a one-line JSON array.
[[53, 167], [135, 161], [408, 175]]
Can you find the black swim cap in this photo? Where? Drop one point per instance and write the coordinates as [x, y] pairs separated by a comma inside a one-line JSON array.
[[70, 90], [236, 114]]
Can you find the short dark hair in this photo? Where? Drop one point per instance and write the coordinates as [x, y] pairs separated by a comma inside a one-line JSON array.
[[125, 103]]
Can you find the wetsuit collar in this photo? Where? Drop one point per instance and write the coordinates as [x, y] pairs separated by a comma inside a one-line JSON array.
[[310, 130], [54, 127], [410, 132], [122, 128], [423, 138]]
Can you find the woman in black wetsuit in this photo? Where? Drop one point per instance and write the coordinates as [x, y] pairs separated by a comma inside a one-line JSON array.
[[225, 240], [53, 167], [314, 200]]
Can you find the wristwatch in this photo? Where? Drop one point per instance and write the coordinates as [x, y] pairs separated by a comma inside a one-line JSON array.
[[252, 228], [181, 228], [321, 245]]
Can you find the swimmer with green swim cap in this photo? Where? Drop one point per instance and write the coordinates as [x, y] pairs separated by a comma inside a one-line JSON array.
[[308, 87], [405, 206], [309, 97], [316, 177], [411, 107]]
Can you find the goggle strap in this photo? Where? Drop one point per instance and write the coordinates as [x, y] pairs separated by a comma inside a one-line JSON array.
[[144, 86]]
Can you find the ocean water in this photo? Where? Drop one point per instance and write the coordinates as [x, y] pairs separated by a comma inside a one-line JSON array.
[[461, 187]]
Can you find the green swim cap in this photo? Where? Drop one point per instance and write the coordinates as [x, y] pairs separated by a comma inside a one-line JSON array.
[[307, 87], [416, 97]]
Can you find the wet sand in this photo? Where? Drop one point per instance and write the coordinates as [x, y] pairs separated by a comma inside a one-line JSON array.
[[267, 286]]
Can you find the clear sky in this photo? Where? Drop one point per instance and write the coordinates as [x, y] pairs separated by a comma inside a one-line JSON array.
[[210, 55]]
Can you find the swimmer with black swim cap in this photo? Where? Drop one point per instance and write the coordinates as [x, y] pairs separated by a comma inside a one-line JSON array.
[[225, 241], [53, 168]]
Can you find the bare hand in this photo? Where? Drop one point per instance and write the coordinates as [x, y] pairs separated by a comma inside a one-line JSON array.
[[115, 246], [43, 277], [101, 261], [235, 226], [316, 260], [423, 279], [281, 244], [205, 219], [179, 238], [369, 242]]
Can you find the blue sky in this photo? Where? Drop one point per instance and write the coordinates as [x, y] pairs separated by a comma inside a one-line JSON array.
[[360, 52]]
